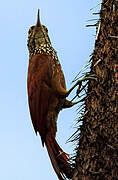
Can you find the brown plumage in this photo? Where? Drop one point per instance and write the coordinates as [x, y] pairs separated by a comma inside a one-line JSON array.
[[46, 95]]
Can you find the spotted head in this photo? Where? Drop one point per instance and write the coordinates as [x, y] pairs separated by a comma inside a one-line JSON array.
[[38, 38]]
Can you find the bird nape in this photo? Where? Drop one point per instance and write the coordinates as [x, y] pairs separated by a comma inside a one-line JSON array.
[[47, 95]]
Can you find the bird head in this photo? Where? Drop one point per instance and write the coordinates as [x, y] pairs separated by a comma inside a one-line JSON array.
[[37, 36]]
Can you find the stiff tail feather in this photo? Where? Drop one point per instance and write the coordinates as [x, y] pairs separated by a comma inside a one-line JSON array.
[[59, 159]]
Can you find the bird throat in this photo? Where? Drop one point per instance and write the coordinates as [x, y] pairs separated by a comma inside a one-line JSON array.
[[43, 49]]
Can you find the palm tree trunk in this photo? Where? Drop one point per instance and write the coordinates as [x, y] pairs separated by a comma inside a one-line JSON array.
[[97, 151]]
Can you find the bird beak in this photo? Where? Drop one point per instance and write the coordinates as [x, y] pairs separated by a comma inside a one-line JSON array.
[[38, 24]]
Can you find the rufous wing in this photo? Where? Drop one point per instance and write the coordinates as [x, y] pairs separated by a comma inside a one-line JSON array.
[[46, 85], [39, 92]]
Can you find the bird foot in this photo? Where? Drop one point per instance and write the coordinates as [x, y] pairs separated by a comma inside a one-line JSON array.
[[68, 104], [79, 82]]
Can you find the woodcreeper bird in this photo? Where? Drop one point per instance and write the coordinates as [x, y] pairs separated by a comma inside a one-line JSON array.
[[47, 95]]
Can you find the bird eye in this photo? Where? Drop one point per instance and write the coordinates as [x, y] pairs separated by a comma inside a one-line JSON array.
[[45, 28], [29, 32], [30, 29]]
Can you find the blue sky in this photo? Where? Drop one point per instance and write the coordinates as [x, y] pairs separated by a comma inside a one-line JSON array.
[[22, 156]]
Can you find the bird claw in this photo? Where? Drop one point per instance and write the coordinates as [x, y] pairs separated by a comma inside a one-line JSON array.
[[79, 83], [85, 78]]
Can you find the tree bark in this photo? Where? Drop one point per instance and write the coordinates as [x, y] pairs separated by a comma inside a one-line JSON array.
[[97, 151]]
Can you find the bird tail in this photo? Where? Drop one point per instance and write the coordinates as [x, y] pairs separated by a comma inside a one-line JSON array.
[[59, 159]]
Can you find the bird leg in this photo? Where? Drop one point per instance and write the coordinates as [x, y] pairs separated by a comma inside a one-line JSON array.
[[63, 93], [67, 103], [79, 82]]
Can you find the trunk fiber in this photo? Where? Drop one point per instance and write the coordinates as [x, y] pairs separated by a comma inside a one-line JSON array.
[[97, 151]]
